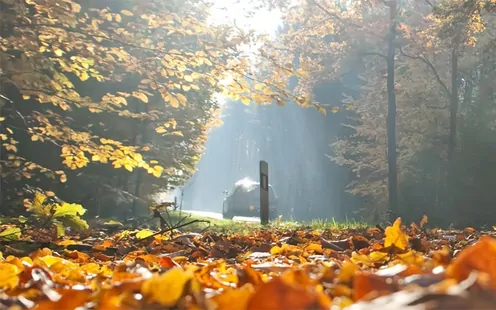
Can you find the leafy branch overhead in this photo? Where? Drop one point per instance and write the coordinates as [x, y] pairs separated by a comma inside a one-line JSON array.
[[144, 61]]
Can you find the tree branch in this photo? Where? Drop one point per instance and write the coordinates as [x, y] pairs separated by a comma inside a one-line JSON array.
[[431, 66], [372, 54]]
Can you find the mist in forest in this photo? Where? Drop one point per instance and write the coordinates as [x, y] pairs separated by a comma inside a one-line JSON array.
[[295, 143]]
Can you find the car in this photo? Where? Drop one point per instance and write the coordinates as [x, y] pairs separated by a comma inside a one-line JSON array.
[[244, 200]]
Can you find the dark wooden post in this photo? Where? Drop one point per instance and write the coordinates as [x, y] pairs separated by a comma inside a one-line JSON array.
[[264, 192]]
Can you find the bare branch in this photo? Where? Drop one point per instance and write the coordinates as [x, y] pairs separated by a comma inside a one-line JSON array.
[[372, 54]]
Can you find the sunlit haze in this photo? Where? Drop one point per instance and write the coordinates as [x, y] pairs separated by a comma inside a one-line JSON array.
[[233, 12], [229, 11]]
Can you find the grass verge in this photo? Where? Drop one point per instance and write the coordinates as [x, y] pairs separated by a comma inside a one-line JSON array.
[[240, 227]]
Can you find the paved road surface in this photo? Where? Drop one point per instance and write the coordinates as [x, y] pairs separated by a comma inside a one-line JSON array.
[[218, 216]]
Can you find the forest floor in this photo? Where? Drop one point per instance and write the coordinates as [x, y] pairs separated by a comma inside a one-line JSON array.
[[191, 264]]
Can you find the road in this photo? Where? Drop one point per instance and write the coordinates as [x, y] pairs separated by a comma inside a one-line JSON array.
[[215, 215]]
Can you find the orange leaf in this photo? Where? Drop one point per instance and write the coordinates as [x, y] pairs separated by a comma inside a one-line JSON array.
[[78, 257], [278, 294], [478, 257], [469, 230], [167, 262], [424, 221], [239, 297], [71, 299]]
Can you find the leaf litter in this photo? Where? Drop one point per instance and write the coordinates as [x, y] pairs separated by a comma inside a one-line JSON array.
[[275, 268]]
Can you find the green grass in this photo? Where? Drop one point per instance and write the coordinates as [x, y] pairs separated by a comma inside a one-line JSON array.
[[229, 226]]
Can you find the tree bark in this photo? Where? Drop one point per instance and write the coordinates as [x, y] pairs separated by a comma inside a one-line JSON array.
[[391, 117], [453, 107]]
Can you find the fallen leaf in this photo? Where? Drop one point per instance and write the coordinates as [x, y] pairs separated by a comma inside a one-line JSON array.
[[395, 236]]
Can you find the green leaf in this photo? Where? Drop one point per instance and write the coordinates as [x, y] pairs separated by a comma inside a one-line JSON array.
[[22, 219], [75, 222], [113, 223], [144, 233], [60, 229], [11, 233], [68, 209]]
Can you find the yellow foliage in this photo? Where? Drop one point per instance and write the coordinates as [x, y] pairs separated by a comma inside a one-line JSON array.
[[395, 236], [9, 278], [144, 233], [166, 289]]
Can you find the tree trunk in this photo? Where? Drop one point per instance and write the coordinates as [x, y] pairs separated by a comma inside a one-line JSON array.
[[453, 111], [139, 176], [391, 118]]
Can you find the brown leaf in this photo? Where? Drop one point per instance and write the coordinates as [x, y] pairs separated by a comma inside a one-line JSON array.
[[335, 245], [368, 285]]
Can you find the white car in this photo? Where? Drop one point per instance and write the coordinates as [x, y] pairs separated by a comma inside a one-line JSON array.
[[244, 200]]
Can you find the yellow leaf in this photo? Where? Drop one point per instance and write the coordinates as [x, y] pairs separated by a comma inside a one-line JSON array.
[[128, 167], [67, 242], [144, 233], [141, 96], [58, 52], [76, 8], [26, 97], [182, 99], [395, 236], [245, 100], [168, 288], [174, 102], [49, 193], [160, 129], [335, 109], [314, 247], [157, 171], [63, 178], [95, 157], [126, 13], [34, 138], [259, 86], [188, 78], [9, 278], [424, 221], [302, 74], [177, 133], [84, 76], [347, 271]]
